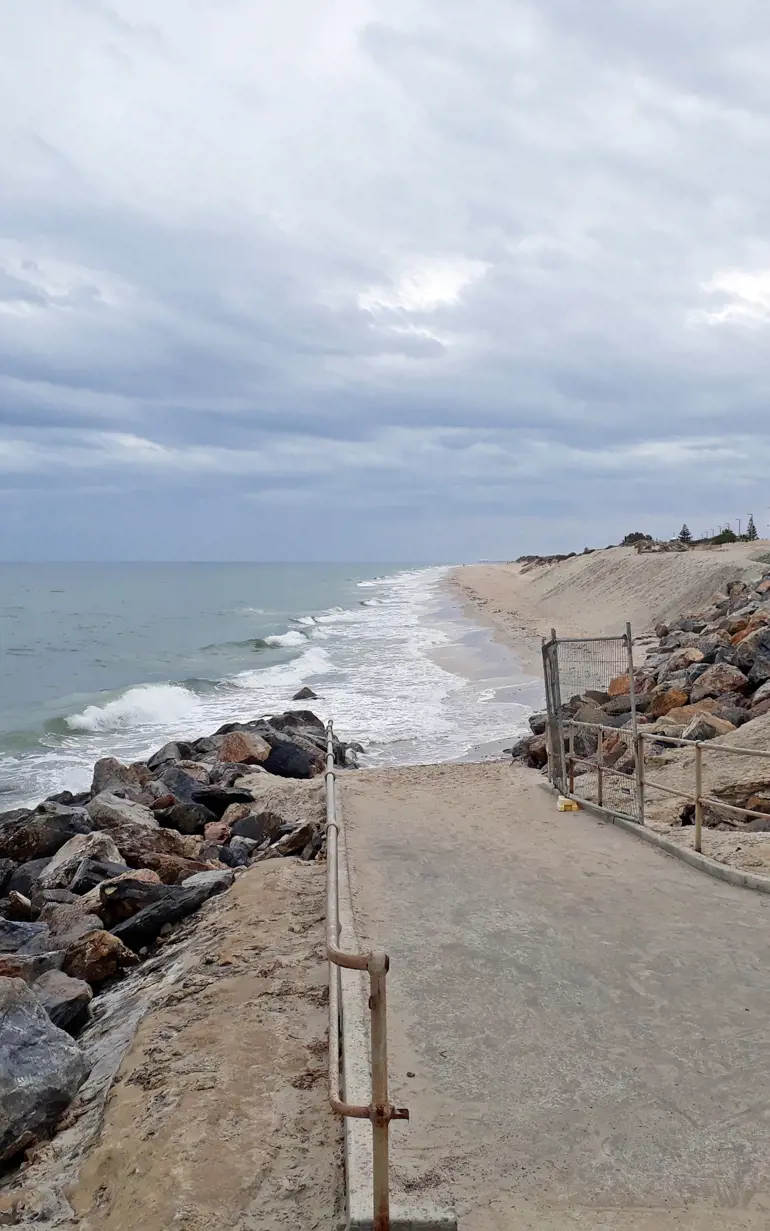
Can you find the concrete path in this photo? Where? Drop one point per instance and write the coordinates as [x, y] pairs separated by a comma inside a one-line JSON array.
[[580, 1024]]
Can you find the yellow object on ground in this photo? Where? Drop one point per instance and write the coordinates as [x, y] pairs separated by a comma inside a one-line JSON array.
[[567, 805]]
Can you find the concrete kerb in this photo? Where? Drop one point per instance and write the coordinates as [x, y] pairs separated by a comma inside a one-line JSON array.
[[720, 871], [356, 1070]]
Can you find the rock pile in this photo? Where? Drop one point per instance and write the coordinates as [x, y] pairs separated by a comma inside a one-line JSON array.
[[89, 882], [705, 675]]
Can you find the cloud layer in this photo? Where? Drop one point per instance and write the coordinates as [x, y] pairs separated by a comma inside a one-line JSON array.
[[466, 281]]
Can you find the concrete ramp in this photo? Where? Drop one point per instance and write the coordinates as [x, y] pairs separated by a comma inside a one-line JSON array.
[[578, 1022]]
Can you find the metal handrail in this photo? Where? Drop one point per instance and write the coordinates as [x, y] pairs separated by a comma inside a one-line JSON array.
[[380, 1111], [698, 746]]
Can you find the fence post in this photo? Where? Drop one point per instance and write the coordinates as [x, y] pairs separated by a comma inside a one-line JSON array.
[[640, 774], [571, 758], [599, 764], [698, 793]]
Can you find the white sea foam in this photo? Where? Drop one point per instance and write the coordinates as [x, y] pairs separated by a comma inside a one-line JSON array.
[[150, 705], [289, 640]]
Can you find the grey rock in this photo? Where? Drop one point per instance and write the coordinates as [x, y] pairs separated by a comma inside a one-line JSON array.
[[92, 872], [185, 816], [538, 723], [292, 843], [618, 705], [66, 1001], [41, 1068], [108, 811], [24, 938], [118, 779], [258, 825], [305, 694], [69, 857], [25, 877], [215, 881], [243, 849], [40, 834], [168, 754], [68, 923]]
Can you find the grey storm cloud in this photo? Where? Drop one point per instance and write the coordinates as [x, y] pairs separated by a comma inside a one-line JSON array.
[[473, 280]]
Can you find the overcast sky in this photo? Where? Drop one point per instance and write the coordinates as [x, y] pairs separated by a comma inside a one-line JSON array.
[[380, 279]]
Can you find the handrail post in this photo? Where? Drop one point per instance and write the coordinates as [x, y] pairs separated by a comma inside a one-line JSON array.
[[698, 794], [599, 768], [378, 969], [380, 1110], [570, 757]]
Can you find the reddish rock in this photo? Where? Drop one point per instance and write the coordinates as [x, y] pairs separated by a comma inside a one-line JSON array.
[[174, 868], [96, 957], [763, 708], [685, 713], [244, 748], [758, 803], [718, 679], [218, 831], [663, 702], [619, 686], [764, 586]]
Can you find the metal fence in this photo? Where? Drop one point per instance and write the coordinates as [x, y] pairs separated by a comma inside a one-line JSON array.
[[380, 1110], [605, 765]]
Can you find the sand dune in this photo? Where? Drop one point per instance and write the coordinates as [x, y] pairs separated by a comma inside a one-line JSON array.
[[597, 594]]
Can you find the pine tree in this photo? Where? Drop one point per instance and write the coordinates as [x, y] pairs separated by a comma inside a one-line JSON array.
[[751, 529], [685, 535]]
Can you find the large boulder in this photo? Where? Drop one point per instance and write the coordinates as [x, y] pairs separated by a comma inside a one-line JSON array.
[[719, 679], [666, 699], [40, 834], [170, 868], [307, 694], [706, 726], [109, 813], [65, 863], [118, 779], [293, 756], [137, 834], [97, 957], [92, 872], [41, 1068], [168, 754], [69, 922], [66, 1001], [244, 747], [620, 685], [294, 842], [177, 902], [216, 881], [258, 824], [186, 816]]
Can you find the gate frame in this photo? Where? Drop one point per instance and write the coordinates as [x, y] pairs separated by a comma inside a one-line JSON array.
[[559, 733]]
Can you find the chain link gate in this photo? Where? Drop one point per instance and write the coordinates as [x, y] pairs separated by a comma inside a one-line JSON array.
[[594, 752]]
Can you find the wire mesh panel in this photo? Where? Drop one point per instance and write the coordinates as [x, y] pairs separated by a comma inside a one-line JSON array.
[[592, 736], [586, 666]]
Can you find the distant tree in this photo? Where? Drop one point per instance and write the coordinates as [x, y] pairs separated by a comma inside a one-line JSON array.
[[751, 529], [685, 535], [726, 536], [636, 537]]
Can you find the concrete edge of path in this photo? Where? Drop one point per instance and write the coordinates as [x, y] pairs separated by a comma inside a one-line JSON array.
[[712, 867], [414, 1216]]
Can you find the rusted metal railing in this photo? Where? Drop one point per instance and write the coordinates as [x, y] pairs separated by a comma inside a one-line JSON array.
[[644, 784], [380, 1110]]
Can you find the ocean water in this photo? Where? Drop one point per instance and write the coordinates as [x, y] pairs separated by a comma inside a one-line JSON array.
[[116, 659]]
